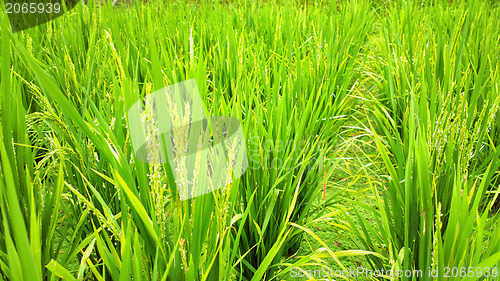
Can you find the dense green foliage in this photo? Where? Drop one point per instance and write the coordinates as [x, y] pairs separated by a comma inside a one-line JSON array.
[[421, 82]]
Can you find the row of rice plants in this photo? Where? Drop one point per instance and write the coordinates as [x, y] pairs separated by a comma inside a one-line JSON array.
[[435, 124], [91, 211]]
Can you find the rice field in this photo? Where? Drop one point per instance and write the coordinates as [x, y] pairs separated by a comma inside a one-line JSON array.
[[370, 132]]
